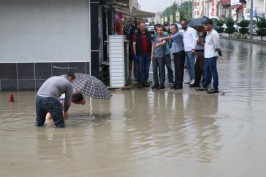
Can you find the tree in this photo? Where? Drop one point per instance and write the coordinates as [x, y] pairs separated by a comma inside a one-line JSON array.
[[171, 10], [243, 27], [220, 24], [174, 10], [185, 10], [262, 28], [145, 20], [230, 26]]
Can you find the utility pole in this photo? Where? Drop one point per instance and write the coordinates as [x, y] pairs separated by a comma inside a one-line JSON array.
[[264, 7], [251, 20]]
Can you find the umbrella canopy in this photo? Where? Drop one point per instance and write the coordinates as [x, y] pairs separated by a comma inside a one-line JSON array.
[[91, 86], [198, 22]]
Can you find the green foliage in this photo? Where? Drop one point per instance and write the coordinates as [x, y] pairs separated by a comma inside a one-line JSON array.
[[171, 10], [185, 10], [145, 20], [243, 30], [174, 7], [220, 30], [219, 23], [230, 30], [230, 22], [262, 28], [243, 24], [261, 32], [230, 26], [261, 23]]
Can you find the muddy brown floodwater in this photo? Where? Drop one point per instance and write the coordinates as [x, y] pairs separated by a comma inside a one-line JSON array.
[[145, 133]]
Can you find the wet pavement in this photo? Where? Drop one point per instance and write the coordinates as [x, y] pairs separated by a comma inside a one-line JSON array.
[[144, 133]]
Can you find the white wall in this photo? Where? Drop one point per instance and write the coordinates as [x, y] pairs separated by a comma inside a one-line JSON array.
[[44, 30], [259, 6]]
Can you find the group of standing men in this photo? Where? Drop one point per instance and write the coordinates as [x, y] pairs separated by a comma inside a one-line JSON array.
[[146, 47]]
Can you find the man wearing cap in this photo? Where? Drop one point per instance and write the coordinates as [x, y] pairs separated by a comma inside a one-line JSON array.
[[211, 50]]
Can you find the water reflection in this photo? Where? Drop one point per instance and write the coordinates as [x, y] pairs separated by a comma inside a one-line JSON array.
[[148, 133], [54, 144]]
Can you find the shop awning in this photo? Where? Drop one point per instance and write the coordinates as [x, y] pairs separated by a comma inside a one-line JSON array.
[[139, 13], [134, 12]]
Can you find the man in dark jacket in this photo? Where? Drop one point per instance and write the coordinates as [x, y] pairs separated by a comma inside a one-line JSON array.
[[142, 51], [130, 36]]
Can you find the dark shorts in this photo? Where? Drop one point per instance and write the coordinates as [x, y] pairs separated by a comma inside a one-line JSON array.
[[51, 105]]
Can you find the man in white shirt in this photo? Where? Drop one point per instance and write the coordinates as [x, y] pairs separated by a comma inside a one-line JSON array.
[[211, 50], [190, 41]]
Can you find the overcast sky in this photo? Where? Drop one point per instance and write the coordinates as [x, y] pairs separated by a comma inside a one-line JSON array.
[[155, 5]]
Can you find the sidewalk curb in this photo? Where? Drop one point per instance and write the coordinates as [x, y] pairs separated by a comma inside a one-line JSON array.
[[254, 41]]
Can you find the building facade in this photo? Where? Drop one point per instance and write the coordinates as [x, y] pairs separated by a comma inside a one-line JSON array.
[[43, 38], [207, 8], [223, 9]]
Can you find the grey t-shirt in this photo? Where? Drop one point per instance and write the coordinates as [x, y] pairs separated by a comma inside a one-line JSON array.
[[54, 87], [158, 51]]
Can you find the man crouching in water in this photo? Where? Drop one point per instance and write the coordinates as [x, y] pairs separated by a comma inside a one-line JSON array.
[[77, 98], [47, 99]]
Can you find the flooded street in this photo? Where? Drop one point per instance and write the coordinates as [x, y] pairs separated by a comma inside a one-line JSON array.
[[145, 133]]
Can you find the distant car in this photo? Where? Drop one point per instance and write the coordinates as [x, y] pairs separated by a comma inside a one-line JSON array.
[[151, 29]]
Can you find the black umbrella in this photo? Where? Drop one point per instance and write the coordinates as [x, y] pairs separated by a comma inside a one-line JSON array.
[[198, 22]]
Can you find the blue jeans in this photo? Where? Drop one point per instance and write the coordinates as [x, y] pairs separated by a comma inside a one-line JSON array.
[[144, 62], [169, 68], [210, 67], [190, 61], [158, 63], [51, 105]]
